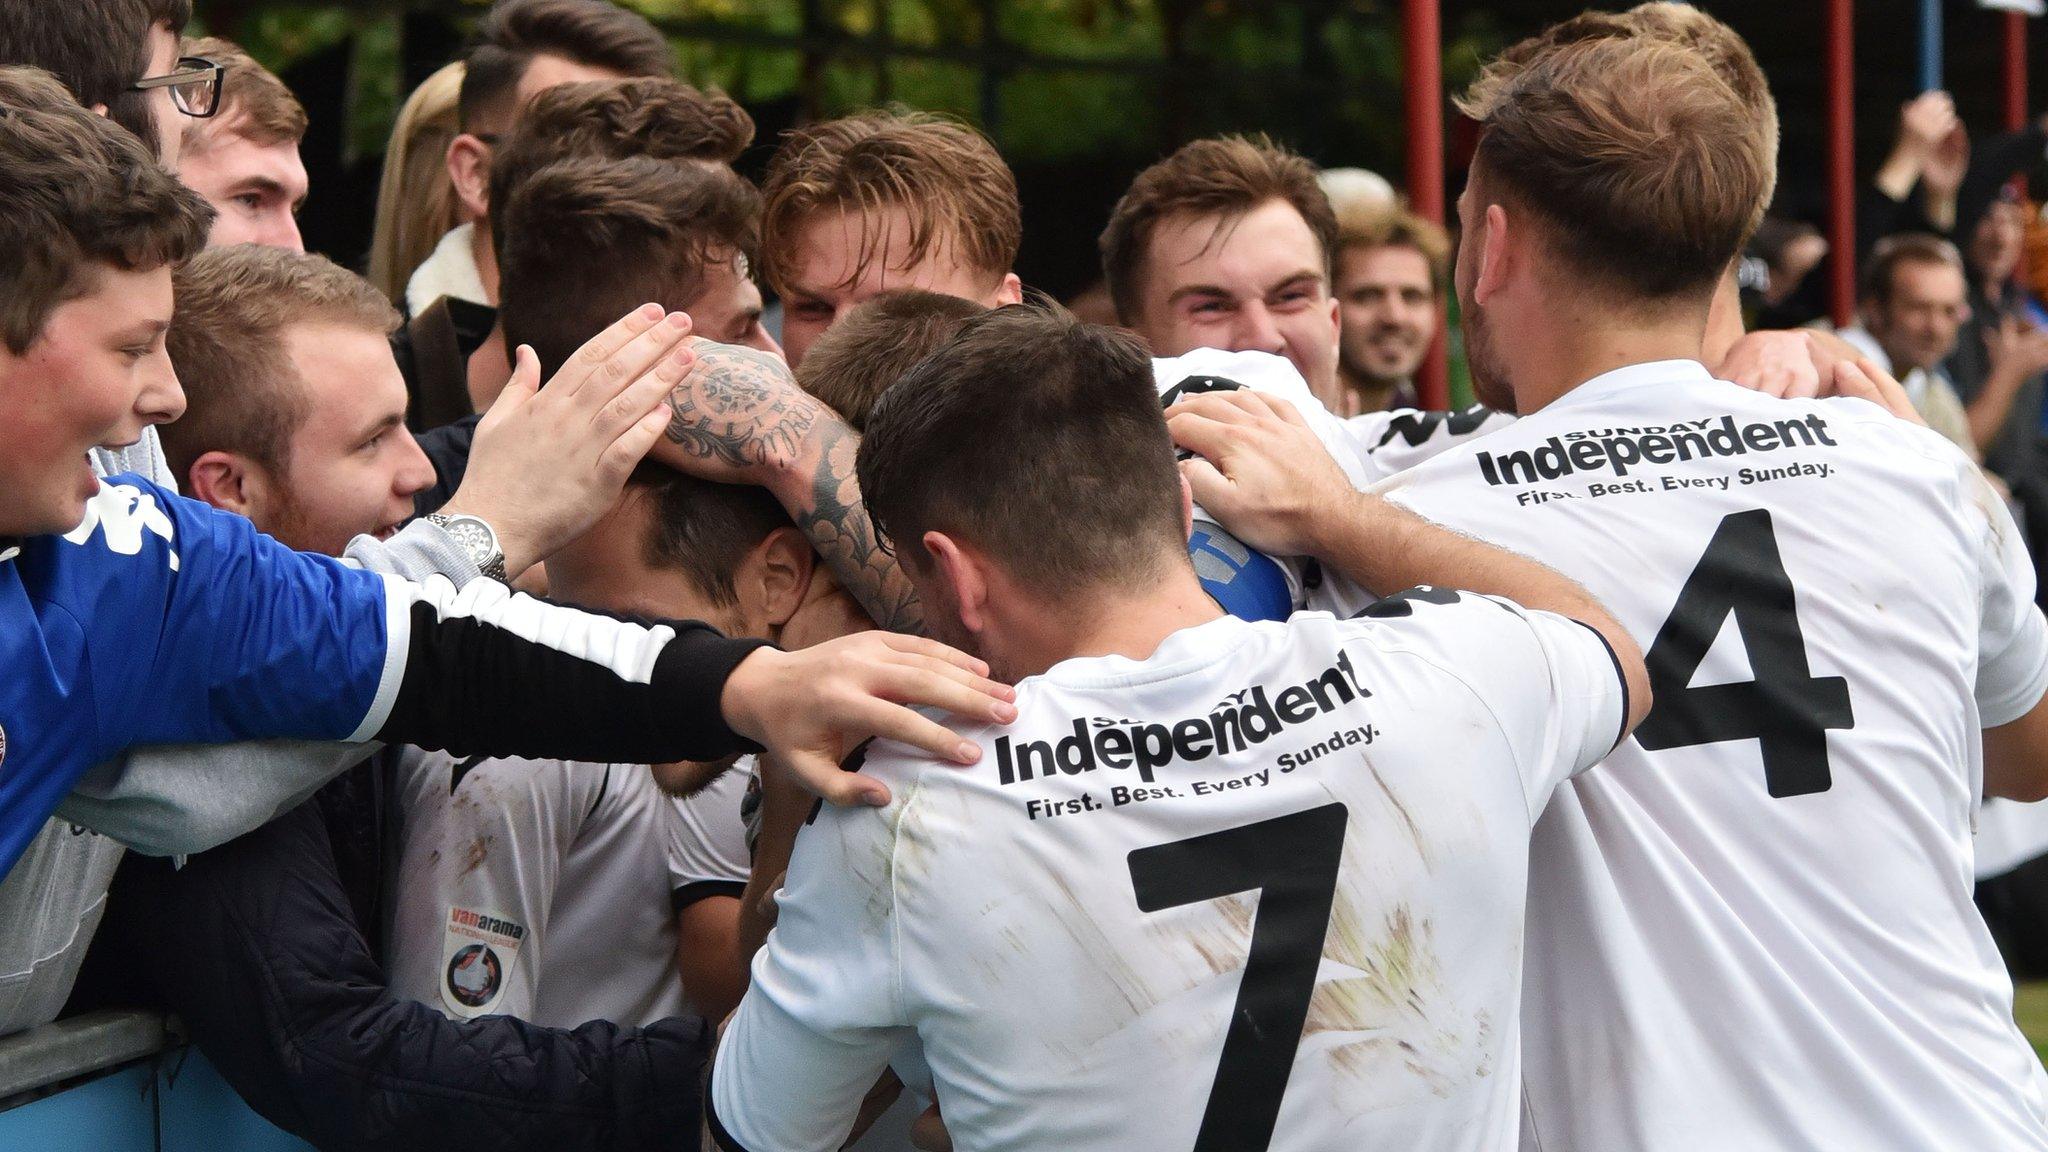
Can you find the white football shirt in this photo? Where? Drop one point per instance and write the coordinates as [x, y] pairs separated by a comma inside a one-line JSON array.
[[1752, 928], [707, 849], [534, 888], [1261, 890]]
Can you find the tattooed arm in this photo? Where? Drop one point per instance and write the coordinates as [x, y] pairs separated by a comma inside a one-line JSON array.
[[740, 418]]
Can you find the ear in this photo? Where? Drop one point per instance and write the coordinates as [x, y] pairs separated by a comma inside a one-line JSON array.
[[229, 482], [99, 109], [469, 172], [965, 576], [1187, 506], [1010, 291], [775, 578], [1493, 255]]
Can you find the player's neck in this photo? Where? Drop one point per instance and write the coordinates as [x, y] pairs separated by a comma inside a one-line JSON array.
[[1112, 622], [1553, 362]]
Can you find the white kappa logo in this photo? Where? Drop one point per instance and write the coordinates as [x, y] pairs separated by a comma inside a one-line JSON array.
[[124, 511]]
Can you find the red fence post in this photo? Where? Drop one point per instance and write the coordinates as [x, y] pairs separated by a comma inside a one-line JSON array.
[[1422, 68], [1841, 107]]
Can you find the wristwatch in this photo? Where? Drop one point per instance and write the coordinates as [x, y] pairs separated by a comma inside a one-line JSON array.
[[477, 539]]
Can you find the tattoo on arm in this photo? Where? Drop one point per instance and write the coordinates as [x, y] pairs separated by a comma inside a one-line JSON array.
[[838, 526], [739, 407]]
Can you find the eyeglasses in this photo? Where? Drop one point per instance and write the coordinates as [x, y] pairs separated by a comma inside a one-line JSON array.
[[195, 85]]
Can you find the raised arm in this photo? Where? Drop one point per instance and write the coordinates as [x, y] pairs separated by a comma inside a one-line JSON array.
[[1261, 471], [740, 418]]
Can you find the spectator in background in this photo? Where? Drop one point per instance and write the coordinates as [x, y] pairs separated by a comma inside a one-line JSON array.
[[1228, 244], [1915, 300], [1392, 268], [1916, 187], [101, 50], [522, 47], [416, 203], [1357, 190], [244, 159], [860, 205], [2002, 350]]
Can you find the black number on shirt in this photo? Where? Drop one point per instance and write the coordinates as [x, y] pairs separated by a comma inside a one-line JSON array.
[[1292, 861], [1786, 709]]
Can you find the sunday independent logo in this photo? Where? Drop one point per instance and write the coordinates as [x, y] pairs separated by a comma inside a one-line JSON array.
[[1607, 461], [1303, 721]]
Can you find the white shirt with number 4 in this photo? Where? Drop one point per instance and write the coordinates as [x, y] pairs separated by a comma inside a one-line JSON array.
[[1752, 928], [1261, 890]]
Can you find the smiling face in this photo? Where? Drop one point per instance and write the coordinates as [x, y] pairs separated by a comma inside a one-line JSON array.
[[1387, 305], [96, 376], [351, 468], [1254, 282]]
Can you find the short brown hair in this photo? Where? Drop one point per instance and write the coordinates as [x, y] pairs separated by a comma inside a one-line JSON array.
[[96, 48], [857, 359], [1225, 176], [77, 193], [652, 116], [960, 195], [1881, 275], [1641, 161], [254, 103], [1039, 439], [1372, 227], [594, 33], [587, 241], [227, 344], [1681, 24], [704, 529]]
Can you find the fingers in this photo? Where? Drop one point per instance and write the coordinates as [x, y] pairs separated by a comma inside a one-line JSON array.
[[1203, 434], [610, 365], [925, 688], [1210, 488], [888, 721], [823, 778], [924, 646]]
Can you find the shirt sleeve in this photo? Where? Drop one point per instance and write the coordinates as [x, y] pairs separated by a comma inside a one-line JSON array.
[[823, 1014], [707, 844], [1391, 442], [1551, 684], [2012, 644]]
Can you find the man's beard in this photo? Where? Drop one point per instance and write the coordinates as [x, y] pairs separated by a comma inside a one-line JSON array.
[[686, 778], [1491, 384], [1355, 359]]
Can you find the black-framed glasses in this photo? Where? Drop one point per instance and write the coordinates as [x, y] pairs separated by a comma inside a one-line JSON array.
[[195, 85]]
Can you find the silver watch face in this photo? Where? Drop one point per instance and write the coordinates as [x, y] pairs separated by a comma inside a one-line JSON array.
[[474, 537]]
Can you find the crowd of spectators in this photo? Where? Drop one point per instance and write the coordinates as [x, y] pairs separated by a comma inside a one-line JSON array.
[[388, 944]]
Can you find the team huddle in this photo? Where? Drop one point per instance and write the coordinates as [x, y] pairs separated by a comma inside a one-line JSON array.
[[1595, 772]]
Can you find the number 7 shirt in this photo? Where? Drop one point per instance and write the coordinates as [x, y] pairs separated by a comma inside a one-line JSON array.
[[1752, 927], [1261, 890]]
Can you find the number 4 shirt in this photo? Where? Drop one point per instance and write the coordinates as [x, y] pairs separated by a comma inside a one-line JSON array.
[[1262, 889], [1751, 927]]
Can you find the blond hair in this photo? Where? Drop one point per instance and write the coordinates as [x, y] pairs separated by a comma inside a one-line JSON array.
[[1682, 24], [960, 195], [1644, 165], [416, 204]]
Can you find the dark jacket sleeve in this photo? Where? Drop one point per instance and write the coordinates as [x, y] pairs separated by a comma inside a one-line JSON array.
[[254, 946], [447, 449]]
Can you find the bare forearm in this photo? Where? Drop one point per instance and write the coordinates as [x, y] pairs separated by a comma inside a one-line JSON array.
[[1387, 548], [823, 498]]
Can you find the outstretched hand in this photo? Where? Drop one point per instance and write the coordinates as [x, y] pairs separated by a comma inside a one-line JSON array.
[[810, 709], [547, 463], [1258, 468]]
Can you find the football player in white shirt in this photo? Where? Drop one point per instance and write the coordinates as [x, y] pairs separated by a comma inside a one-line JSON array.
[[1223, 885], [541, 888], [1751, 928]]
